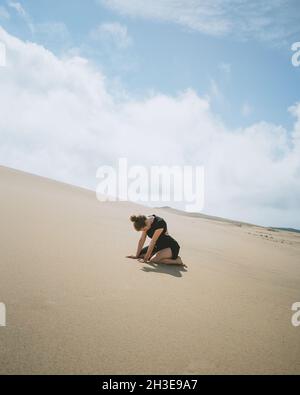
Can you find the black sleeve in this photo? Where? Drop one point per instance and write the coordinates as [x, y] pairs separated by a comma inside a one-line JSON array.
[[160, 223]]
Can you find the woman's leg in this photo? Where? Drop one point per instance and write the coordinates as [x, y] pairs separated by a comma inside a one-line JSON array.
[[165, 256], [144, 252], [177, 261]]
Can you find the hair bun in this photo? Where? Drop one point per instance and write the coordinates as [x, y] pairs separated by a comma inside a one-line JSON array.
[[139, 221]]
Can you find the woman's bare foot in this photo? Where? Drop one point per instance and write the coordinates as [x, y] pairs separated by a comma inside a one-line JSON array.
[[180, 261]]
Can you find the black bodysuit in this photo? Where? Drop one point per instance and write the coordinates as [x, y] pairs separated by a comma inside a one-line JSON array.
[[164, 241]]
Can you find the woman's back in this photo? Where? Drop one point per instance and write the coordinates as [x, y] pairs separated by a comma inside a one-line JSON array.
[[157, 223], [164, 240]]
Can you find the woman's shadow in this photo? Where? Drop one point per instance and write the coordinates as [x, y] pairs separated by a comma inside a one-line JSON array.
[[173, 270]]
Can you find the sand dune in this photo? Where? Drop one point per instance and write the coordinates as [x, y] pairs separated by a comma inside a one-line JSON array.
[[75, 304]]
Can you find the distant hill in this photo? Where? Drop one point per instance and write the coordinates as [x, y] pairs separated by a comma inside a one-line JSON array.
[[288, 229], [205, 216], [215, 218]]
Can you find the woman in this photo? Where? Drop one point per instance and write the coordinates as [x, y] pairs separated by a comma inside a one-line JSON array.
[[162, 248]]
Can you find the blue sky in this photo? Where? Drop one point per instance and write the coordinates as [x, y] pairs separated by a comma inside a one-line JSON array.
[[165, 56], [218, 73]]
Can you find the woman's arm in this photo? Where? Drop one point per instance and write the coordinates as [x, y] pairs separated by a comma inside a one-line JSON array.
[[155, 236], [140, 246], [141, 243]]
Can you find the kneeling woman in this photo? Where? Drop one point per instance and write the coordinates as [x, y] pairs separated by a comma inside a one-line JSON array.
[[162, 248]]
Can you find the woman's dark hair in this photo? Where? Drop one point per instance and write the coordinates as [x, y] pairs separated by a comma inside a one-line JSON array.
[[139, 221]]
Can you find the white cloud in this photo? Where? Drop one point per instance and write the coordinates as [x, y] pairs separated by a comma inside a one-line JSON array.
[[246, 110], [114, 32], [225, 67], [48, 31], [53, 34], [215, 92], [270, 20], [4, 14], [18, 7], [195, 15], [22, 13], [62, 120], [58, 29]]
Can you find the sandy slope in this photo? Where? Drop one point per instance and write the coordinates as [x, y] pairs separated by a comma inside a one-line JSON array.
[[76, 305]]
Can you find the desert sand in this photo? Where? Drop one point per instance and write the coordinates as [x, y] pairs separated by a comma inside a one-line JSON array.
[[76, 305]]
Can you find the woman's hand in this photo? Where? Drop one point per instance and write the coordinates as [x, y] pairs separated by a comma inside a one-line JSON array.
[[132, 256], [144, 260]]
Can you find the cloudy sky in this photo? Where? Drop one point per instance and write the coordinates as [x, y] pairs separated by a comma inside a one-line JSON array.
[[171, 82]]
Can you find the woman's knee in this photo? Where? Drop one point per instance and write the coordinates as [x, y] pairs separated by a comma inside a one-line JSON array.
[[160, 255], [155, 258]]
